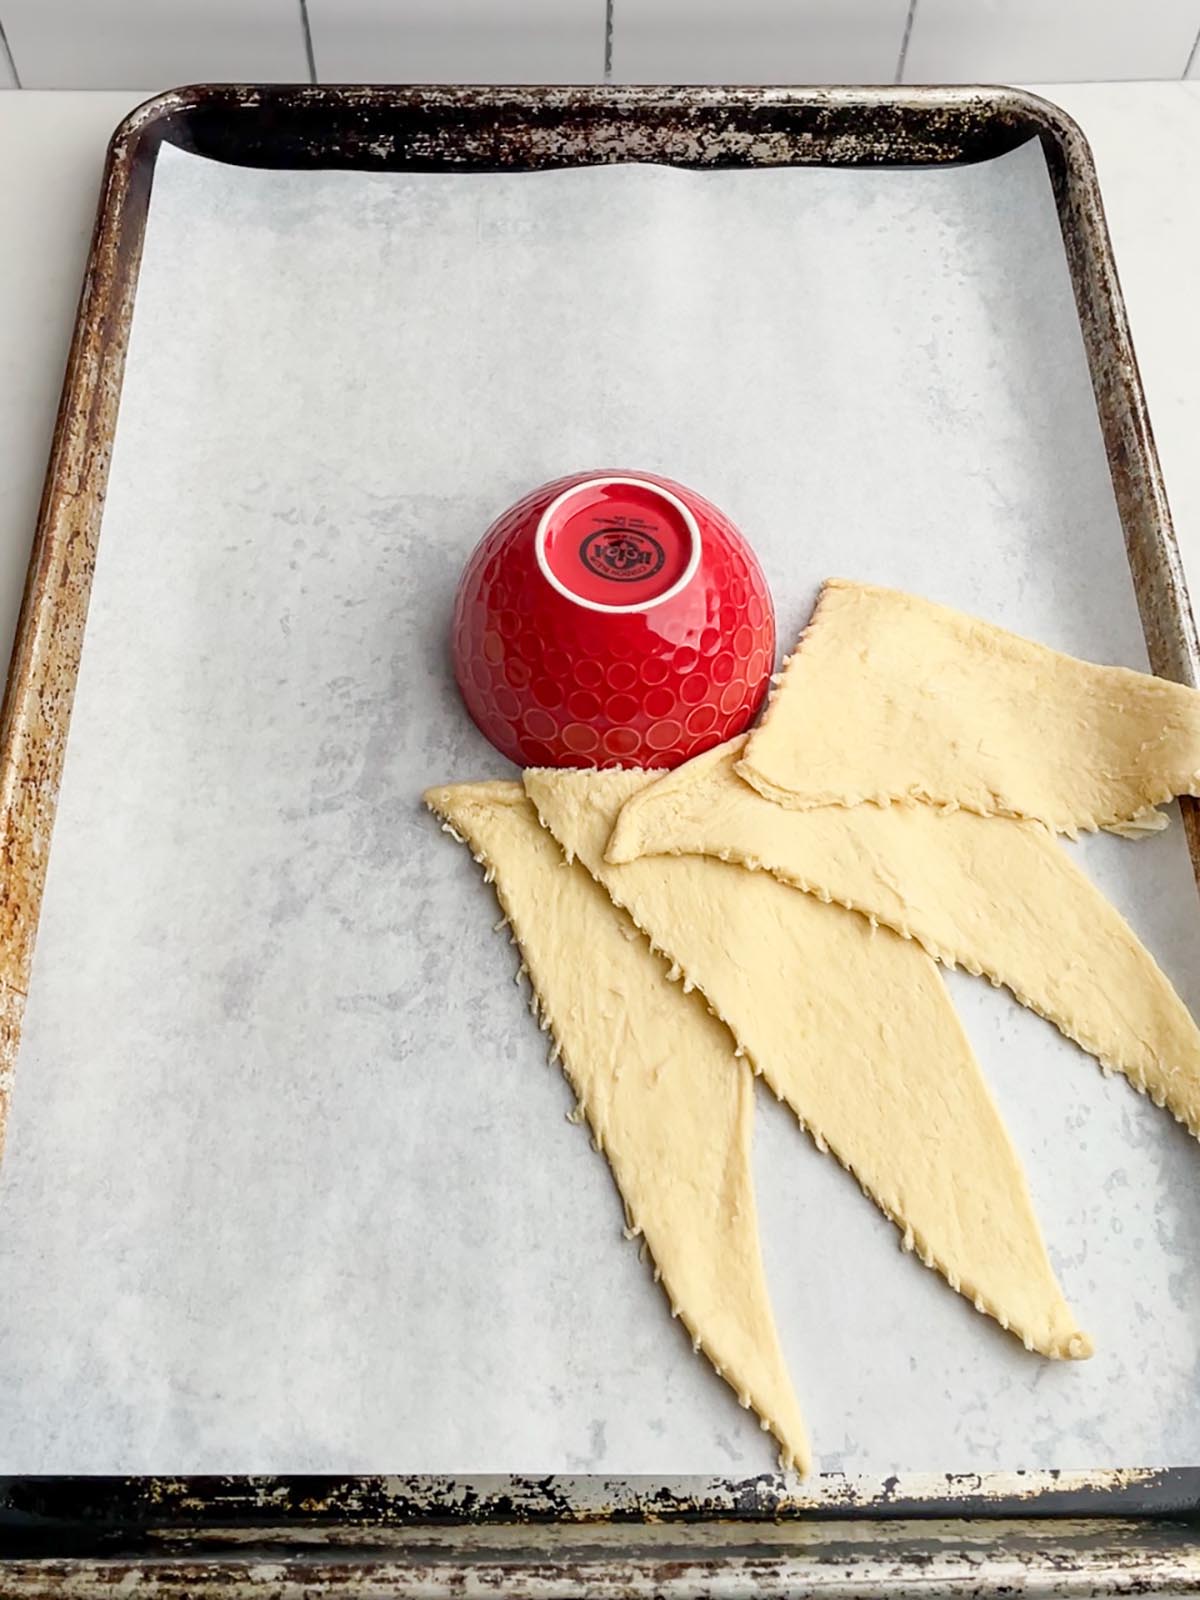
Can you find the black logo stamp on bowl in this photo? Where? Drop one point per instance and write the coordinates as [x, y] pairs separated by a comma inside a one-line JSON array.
[[623, 553]]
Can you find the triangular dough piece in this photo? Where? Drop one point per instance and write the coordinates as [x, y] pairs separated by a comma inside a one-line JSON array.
[[994, 895], [854, 1029], [656, 1076], [892, 698]]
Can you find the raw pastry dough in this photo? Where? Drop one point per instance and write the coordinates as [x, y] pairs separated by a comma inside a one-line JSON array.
[[994, 895], [656, 1076], [854, 1029], [889, 697]]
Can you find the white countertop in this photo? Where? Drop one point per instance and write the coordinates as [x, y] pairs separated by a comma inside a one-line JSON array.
[[1146, 139]]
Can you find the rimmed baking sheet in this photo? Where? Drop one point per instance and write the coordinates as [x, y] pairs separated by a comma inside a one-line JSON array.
[[288, 1185]]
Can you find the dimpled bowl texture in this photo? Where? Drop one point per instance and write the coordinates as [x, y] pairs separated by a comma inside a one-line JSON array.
[[554, 676]]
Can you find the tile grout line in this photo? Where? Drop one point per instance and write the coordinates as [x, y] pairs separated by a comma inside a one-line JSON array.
[[608, 40], [1187, 65], [7, 55], [902, 58], [309, 56]]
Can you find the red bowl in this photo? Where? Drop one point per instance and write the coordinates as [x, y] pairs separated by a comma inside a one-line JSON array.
[[612, 619]]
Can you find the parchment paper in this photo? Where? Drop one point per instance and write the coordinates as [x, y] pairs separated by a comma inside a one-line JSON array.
[[289, 1185]]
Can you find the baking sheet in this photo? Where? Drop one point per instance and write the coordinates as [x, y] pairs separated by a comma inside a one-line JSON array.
[[288, 1185]]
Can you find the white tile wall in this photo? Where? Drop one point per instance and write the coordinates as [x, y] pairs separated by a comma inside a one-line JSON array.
[[153, 44], [463, 41], [757, 41], [1039, 41], [156, 43]]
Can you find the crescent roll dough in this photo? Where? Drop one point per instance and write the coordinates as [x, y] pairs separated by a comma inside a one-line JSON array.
[[892, 698], [656, 1076], [994, 895], [853, 1027]]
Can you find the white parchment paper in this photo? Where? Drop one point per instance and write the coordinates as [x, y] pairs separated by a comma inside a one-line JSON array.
[[289, 1185]]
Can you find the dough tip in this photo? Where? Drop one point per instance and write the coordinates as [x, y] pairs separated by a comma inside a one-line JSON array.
[[623, 845]]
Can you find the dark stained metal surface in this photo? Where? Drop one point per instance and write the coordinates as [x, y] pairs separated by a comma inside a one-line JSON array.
[[853, 1561], [39, 1508], [536, 1537]]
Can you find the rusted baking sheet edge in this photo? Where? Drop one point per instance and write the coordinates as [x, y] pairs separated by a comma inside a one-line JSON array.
[[852, 1560], [45, 662], [110, 1505], [1155, 563]]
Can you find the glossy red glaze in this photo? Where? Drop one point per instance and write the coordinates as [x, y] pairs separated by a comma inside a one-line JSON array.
[[556, 674]]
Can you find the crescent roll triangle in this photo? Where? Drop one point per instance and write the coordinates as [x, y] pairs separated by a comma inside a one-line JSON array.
[[658, 1081], [853, 1027], [889, 697], [996, 896]]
